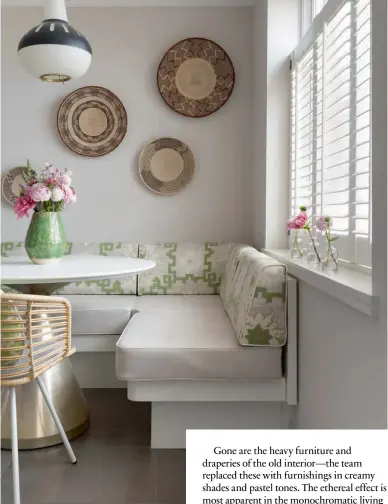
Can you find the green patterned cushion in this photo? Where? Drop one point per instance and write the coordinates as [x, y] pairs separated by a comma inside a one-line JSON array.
[[11, 249], [226, 285], [183, 268], [122, 285], [257, 304]]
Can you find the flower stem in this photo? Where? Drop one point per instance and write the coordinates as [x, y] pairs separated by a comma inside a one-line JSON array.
[[329, 248], [313, 242], [296, 243]]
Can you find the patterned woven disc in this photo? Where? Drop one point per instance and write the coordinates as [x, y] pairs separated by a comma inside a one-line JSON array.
[[92, 121], [196, 77], [166, 165], [11, 184]]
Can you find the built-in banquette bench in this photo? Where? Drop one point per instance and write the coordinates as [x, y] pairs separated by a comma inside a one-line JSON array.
[[208, 336]]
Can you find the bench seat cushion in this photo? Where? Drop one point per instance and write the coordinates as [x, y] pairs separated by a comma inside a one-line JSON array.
[[190, 346], [178, 303], [100, 314]]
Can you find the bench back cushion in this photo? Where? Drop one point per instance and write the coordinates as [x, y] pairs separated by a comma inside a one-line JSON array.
[[227, 279], [257, 302], [12, 249], [183, 268], [121, 285]]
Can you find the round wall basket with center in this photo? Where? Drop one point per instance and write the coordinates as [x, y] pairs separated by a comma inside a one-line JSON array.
[[92, 121], [196, 77], [166, 165], [12, 184]]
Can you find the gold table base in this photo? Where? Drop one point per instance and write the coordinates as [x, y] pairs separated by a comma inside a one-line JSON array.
[[36, 428]]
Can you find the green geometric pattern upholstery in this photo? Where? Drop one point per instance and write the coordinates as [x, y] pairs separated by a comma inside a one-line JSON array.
[[257, 304], [183, 268], [227, 279], [11, 249], [121, 285], [252, 285]]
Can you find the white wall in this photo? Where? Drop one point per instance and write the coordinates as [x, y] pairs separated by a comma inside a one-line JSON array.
[[342, 365], [128, 44]]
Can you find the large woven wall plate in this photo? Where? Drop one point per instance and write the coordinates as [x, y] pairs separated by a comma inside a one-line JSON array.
[[196, 77], [11, 184], [166, 165], [92, 121]]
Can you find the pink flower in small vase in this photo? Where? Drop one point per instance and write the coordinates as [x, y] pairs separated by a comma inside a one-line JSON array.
[[290, 225], [23, 206], [300, 220], [39, 192], [324, 222]]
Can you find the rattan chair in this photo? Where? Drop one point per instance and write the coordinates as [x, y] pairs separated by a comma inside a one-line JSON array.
[[35, 336]]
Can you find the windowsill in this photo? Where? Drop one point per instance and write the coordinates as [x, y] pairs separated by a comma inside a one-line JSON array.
[[349, 286]]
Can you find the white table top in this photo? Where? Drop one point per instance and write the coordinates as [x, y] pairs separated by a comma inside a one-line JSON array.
[[71, 268]]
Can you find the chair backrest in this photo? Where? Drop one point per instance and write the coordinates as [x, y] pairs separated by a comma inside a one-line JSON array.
[[35, 336]]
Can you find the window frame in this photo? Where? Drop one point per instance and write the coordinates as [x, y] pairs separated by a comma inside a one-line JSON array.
[[317, 28]]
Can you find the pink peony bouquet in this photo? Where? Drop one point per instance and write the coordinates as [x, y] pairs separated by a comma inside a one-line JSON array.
[[299, 221], [47, 191], [302, 222]]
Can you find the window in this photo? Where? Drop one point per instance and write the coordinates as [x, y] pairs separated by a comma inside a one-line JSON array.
[[331, 126], [311, 9], [317, 7]]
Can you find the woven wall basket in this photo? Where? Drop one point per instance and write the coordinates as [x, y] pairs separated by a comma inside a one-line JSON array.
[[166, 165], [92, 121], [196, 77]]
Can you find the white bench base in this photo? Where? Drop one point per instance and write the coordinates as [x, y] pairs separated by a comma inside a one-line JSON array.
[[207, 390], [189, 404], [171, 419]]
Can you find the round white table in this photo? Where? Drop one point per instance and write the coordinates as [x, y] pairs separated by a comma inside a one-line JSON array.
[[36, 428]]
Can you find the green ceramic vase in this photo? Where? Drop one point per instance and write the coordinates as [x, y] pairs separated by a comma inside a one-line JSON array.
[[45, 240]]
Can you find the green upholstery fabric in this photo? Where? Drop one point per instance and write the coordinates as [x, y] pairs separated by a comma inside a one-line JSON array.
[[183, 268], [257, 302], [226, 285], [252, 286], [122, 285]]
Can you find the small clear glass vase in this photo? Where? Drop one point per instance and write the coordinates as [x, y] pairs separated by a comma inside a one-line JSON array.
[[296, 251], [312, 252], [330, 260]]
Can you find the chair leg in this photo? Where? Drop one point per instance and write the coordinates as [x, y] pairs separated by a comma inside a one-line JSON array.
[[50, 406], [15, 451]]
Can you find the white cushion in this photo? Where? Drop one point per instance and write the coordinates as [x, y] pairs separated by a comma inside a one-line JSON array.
[[190, 346], [100, 314], [182, 303]]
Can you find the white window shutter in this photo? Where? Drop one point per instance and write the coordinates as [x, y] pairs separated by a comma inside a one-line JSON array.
[[331, 127]]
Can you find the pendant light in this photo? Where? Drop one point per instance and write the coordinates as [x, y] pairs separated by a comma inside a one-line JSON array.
[[54, 51]]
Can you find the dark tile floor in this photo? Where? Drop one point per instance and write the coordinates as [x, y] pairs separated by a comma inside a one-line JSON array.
[[115, 464]]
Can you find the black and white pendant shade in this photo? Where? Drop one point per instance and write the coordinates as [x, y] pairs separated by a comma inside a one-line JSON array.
[[54, 51]]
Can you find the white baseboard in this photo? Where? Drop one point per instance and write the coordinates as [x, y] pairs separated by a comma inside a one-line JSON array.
[[171, 419], [96, 370]]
